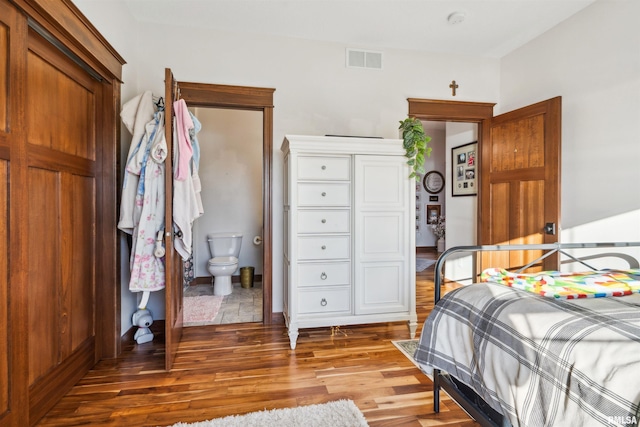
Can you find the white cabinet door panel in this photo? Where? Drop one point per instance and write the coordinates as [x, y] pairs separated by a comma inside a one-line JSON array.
[[382, 288], [382, 236], [380, 183]]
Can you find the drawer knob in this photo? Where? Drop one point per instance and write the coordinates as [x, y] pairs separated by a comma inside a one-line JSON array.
[[323, 302], [323, 167], [324, 221], [324, 247], [324, 194], [323, 276]]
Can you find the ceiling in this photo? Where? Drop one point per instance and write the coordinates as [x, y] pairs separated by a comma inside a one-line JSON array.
[[490, 28]]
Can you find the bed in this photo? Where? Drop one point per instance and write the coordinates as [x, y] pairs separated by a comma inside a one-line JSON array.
[[512, 357]]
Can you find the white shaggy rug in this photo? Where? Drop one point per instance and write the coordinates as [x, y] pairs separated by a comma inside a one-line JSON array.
[[201, 310], [341, 413]]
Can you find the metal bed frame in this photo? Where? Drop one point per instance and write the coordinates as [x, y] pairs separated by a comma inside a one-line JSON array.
[[467, 399]]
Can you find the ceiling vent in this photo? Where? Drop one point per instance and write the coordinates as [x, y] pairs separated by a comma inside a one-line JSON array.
[[358, 58]]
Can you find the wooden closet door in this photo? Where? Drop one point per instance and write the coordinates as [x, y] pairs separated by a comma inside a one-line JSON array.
[[61, 107], [173, 262], [13, 361]]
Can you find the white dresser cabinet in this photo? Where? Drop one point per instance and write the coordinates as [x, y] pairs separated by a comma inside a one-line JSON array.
[[349, 233]]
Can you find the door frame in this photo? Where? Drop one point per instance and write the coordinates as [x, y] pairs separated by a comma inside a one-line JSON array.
[[458, 111], [256, 99]]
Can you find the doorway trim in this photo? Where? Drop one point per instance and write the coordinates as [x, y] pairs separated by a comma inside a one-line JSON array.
[[457, 111], [256, 99]]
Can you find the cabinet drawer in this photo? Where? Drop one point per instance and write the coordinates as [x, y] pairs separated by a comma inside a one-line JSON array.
[[324, 194], [324, 300], [324, 274], [323, 221], [323, 247], [324, 168]]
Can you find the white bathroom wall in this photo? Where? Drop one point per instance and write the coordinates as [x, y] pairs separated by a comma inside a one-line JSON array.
[[231, 175]]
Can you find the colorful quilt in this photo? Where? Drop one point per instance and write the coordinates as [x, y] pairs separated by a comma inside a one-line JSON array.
[[554, 284]]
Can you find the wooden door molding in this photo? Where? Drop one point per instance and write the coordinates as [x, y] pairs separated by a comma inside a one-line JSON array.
[[458, 111], [450, 111], [225, 96], [257, 99]]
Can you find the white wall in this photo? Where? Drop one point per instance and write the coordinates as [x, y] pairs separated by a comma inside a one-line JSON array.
[[436, 161], [461, 210], [104, 16], [231, 175], [461, 225], [315, 93], [592, 60]]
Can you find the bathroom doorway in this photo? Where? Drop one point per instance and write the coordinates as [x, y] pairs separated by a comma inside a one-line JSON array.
[[231, 173], [242, 98]]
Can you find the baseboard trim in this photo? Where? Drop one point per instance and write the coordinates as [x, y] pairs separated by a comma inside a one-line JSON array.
[[157, 327], [277, 318], [207, 280]]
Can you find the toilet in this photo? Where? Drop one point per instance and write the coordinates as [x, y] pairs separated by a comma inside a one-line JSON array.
[[225, 250]]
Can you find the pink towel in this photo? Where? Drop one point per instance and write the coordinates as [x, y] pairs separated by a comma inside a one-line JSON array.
[[185, 151]]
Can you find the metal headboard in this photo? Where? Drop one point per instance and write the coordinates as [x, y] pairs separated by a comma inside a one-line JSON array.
[[551, 249]]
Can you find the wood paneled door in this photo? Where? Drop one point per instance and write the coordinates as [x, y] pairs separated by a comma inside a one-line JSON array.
[[520, 182], [62, 219], [58, 127]]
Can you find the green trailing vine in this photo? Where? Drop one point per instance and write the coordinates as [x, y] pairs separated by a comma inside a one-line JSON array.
[[415, 145]]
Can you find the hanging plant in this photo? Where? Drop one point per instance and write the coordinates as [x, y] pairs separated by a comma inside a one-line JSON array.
[[415, 145]]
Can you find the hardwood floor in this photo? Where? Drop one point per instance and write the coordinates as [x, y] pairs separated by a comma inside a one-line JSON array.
[[233, 369]]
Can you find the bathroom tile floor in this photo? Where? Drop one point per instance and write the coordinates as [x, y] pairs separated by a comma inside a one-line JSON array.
[[242, 305]]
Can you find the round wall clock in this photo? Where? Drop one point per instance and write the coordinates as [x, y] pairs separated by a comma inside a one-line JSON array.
[[433, 182]]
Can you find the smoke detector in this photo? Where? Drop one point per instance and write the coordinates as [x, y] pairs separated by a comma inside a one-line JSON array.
[[455, 18]]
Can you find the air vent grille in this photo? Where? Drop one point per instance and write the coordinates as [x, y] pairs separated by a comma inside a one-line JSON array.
[[358, 58]]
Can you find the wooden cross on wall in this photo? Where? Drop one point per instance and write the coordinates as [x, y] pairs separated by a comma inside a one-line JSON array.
[[453, 87]]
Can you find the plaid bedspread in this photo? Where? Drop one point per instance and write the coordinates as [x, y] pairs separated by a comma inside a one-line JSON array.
[[540, 361]]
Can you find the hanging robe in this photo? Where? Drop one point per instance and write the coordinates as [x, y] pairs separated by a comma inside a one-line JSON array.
[[187, 203], [146, 217], [135, 115]]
